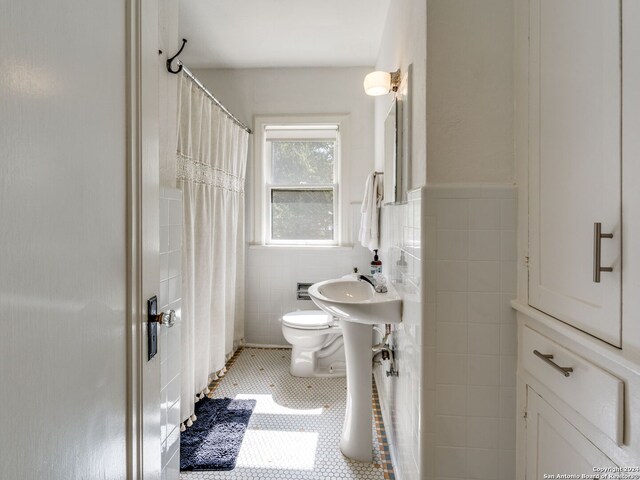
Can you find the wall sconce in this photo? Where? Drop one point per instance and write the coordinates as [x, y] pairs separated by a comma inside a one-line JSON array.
[[381, 83]]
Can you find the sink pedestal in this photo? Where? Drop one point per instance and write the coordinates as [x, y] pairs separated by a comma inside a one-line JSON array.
[[357, 440]]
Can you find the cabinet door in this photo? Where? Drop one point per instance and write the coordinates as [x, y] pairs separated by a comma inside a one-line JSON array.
[[575, 162], [554, 446]]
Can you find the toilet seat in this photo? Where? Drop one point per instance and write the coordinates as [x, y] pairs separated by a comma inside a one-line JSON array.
[[308, 320]]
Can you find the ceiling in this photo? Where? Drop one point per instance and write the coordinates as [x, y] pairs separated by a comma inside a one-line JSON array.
[[281, 33]]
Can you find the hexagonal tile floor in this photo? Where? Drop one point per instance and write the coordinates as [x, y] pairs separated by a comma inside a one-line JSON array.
[[294, 431]]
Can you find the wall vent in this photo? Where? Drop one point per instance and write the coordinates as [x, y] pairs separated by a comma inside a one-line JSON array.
[[302, 291]]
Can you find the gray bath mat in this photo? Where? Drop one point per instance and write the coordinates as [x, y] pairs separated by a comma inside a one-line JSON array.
[[214, 440]]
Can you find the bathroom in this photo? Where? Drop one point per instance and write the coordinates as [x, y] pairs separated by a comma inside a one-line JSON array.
[[160, 272]]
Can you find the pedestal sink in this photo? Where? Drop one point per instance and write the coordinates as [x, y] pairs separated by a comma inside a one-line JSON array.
[[358, 308]]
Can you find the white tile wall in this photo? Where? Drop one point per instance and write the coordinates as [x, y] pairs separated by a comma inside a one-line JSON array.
[[273, 272], [401, 396], [471, 252], [170, 298]]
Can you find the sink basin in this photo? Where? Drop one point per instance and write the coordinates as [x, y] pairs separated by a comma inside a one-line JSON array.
[[358, 307], [356, 301]]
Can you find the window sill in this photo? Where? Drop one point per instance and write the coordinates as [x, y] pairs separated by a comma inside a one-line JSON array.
[[254, 246]]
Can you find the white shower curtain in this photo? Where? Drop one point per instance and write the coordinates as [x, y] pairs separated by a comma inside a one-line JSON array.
[[210, 170]]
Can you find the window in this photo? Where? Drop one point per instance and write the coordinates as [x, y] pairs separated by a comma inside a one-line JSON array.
[[300, 170]]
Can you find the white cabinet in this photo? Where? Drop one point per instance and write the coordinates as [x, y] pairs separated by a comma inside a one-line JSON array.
[[578, 150], [554, 446], [575, 146]]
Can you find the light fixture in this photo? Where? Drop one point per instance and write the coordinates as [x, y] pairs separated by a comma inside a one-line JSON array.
[[381, 83]]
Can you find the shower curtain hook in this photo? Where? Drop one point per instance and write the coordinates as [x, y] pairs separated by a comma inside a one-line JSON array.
[[170, 60]]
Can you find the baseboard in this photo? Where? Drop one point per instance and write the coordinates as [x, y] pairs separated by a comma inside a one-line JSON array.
[[266, 345]]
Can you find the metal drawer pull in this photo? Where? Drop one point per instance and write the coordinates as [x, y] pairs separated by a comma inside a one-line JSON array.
[[566, 371], [597, 253]]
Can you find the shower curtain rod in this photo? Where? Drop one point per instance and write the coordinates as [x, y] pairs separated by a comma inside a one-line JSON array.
[[213, 98]]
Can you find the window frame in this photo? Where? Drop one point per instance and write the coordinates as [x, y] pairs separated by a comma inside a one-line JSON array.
[[263, 187]]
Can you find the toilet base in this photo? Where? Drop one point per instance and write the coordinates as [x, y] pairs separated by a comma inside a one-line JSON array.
[[326, 362]]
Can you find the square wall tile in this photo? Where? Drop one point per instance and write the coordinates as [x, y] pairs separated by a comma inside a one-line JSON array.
[[484, 339], [451, 338], [484, 214], [452, 276], [483, 401], [164, 212], [451, 400], [482, 464], [508, 214], [452, 214], [482, 432], [484, 276], [451, 307], [484, 307], [484, 370], [508, 245], [508, 277], [451, 431], [451, 368], [451, 462], [506, 464], [484, 245], [452, 244]]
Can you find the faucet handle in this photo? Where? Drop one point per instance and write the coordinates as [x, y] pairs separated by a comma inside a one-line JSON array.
[[380, 283]]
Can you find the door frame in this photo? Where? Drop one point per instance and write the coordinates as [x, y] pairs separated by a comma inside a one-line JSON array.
[[142, 237], [134, 245]]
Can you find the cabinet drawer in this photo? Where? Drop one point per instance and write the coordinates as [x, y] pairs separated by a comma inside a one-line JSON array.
[[595, 394]]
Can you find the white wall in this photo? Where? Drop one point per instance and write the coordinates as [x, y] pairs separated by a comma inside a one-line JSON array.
[[169, 43], [470, 91], [272, 273], [403, 44]]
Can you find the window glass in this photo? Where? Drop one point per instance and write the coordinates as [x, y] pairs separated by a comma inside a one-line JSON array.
[[302, 162], [302, 214]]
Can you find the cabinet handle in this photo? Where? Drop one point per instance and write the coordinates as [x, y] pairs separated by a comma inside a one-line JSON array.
[[597, 251], [566, 371]]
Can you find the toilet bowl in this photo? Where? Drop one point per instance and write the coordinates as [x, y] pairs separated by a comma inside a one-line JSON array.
[[316, 341]]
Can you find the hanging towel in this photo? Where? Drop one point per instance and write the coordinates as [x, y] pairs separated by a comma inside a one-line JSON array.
[[370, 221]]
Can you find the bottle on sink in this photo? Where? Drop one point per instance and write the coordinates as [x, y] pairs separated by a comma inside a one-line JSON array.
[[376, 264]]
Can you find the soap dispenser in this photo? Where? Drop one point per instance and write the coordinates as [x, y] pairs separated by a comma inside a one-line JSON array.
[[401, 267], [376, 264]]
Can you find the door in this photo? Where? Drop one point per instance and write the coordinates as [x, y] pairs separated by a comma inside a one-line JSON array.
[[554, 446], [76, 254], [575, 163]]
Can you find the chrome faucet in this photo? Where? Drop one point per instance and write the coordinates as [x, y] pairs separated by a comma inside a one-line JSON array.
[[363, 277], [378, 287]]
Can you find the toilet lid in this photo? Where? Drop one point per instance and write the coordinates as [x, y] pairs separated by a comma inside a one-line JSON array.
[[310, 319]]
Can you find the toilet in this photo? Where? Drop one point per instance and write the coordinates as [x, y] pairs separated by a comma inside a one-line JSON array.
[[317, 345]]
